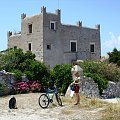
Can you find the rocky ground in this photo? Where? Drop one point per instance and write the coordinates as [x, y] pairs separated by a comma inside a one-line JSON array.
[[29, 109]]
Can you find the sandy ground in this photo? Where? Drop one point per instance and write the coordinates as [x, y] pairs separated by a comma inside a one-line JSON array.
[[29, 109], [113, 100]]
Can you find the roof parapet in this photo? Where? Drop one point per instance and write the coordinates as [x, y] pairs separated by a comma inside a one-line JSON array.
[[43, 9], [97, 26], [9, 33], [23, 16], [79, 23]]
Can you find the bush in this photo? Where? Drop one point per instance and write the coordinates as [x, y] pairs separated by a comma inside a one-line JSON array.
[[18, 75], [2, 86], [37, 71], [110, 72], [19, 62], [114, 57], [97, 71], [29, 86], [35, 86], [61, 75], [102, 82], [3, 89], [22, 87]]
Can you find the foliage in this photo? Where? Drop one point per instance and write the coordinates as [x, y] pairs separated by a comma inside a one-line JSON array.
[[110, 72], [35, 86], [61, 75], [3, 89], [18, 75], [111, 112], [37, 70], [102, 82], [22, 87], [2, 86], [114, 56], [25, 87], [11, 59], [101, 72], [15, 60]]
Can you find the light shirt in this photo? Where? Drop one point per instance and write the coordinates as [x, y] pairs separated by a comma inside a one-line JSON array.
[[75, 69]]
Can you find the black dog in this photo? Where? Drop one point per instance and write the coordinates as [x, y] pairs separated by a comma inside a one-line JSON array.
[[12, 103]]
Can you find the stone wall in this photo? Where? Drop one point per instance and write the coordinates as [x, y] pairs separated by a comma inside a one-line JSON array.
[[112, 91], [6, 79], [90, 89]]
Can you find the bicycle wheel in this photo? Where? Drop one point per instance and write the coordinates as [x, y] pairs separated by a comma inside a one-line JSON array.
[[58, 99], [43, 101]]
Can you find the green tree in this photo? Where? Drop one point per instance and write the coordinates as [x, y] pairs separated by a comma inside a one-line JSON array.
[[15, 60], [11, 59], [114, 56], [61, 75]]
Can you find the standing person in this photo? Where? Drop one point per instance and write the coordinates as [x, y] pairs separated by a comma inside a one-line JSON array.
[[76, 80]]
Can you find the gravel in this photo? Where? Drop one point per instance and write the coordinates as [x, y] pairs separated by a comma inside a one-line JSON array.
[[29, 109]]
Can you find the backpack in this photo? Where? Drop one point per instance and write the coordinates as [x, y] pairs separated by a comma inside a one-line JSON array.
[[12, 103], [72, 87]]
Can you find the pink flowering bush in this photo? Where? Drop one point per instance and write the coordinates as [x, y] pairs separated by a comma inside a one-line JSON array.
[[35, 86], [22, 87], [29, 86]]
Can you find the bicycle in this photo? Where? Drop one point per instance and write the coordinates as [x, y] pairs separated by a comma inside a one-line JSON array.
[[46, 98]]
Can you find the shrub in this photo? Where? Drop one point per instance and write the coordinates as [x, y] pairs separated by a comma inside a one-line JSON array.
[[19, 62], [94, 70], [35, 86], [22, 87], [110, 72], [25, 87], [114, 56], [102, 82], [2, 86], [61, 75], [3, 89], [18, 75]]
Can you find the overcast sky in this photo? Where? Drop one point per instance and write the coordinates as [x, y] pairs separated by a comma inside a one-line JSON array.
[[90, 12]]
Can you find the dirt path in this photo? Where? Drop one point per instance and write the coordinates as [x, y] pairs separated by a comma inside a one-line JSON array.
[[28, 109]]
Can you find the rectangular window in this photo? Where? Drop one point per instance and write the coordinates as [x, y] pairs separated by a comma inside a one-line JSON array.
[[92, 47], [52, 25], [30, 28], [15, 47], [73, 46], [30, 46], [48, 47]]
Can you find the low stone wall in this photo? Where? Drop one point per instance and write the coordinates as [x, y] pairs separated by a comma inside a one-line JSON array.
[[89, 88], [112, 91]]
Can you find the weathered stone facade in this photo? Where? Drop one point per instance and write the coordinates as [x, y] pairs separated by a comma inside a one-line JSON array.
[[89, 88], [112, 90], [56, 43]]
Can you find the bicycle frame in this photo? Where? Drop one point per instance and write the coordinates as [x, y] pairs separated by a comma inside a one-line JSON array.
[[51, 93], [47, 98]]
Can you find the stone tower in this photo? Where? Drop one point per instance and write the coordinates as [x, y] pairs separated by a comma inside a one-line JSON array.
[[54, 42]]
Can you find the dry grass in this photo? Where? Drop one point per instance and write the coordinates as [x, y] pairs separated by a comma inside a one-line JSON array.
[[67, 111], [85, 102], [88, 107], [112, 112], [109, 111]]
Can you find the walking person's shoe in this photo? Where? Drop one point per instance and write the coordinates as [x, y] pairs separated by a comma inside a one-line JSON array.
[[76, 103]]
